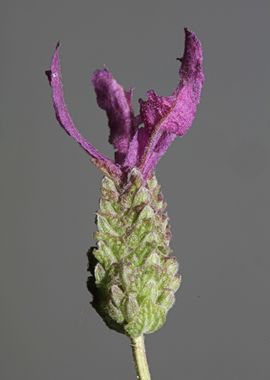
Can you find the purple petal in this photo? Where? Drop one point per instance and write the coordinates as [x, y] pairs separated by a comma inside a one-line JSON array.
[[161, 147], [154, 108], [112, 98], [64, 118], [132, 156], [167, 117], [134, 148]]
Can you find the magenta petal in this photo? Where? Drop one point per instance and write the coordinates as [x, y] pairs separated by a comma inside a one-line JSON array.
[[173, 114], [131, 158], [161, 147], [112, 98], [64, 118], [187, 95], [154, 108]]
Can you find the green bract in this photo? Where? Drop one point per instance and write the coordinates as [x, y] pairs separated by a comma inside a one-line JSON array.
[[134, 277]]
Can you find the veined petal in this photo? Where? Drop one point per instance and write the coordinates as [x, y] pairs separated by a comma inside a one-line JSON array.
[[135, 146], [112, 98], [132, 155], [163, 143], [66, 122], [167, 117]]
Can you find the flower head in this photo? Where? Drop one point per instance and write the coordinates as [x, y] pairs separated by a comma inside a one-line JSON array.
[[163, 117]]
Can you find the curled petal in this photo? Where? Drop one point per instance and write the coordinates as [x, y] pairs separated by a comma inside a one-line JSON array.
[[167, 117], [64, 118], [112, 98]]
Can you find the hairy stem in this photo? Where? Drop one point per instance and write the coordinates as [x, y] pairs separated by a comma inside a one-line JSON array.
[[139, 355]]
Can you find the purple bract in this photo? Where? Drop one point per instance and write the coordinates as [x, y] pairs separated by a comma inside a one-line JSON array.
[[163, 117]]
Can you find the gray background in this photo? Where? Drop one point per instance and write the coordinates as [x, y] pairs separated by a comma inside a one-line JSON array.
[[216, 181]]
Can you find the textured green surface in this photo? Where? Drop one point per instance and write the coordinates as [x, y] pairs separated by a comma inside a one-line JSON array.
[[134, 278]]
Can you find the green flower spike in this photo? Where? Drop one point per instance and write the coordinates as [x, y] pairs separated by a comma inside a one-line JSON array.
[[133, 277]]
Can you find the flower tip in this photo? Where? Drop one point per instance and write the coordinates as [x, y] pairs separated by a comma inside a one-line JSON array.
[[55, 58], [191, 38], [193, 57], [54, 68], [100, 74], [189, 33]]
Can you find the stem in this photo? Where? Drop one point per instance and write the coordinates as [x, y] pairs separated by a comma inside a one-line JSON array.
[[139, 356]]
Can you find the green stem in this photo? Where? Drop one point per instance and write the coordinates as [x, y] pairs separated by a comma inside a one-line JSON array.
[[139, 356]]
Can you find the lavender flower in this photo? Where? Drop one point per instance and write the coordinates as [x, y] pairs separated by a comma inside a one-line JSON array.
[[133, 277]]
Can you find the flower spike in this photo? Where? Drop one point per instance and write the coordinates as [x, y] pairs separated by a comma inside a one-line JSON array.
[[133, 276]]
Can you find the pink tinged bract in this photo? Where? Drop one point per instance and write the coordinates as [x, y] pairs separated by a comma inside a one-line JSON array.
[[66, 122]]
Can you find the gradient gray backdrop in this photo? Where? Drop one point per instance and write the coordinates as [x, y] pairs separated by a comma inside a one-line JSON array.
[[216, 182]]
